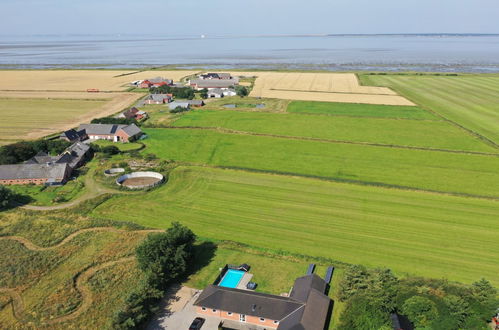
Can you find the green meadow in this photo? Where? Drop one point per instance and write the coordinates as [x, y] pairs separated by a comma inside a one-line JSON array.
[[411, 232], [418, 169], [469, 100], [432, 134], [359, 110]]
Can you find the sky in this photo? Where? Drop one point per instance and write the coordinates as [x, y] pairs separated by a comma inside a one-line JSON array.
[[248, 17]]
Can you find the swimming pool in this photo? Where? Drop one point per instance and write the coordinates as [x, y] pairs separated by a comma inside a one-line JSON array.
[[231, 278]]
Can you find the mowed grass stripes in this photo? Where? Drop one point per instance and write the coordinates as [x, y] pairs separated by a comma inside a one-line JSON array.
[[411, 232], [469, 100], [414, 133], [418, 169]]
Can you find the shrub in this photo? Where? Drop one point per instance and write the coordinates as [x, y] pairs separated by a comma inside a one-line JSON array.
[[420, 310], [6, 197], [111, 150]]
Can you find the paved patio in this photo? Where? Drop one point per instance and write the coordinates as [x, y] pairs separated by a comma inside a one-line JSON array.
[[178, 311]]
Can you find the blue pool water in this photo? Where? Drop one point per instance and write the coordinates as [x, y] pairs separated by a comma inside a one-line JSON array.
[[231, 278]]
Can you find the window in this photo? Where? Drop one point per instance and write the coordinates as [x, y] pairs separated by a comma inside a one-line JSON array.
[[276, 322], [203, 308], [214, 310], [242, 318], [262, 319], [229, 313]]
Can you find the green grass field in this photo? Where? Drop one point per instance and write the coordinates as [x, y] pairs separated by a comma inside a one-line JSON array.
[[23, 116], [122, 146], [411, 232], [431, 134], [421, 169], [469, 100], [43, 195], [359, 110]]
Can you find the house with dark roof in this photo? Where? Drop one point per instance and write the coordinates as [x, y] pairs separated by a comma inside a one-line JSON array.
[[306, 307], [212, 75], [111, 132], [73, 135]]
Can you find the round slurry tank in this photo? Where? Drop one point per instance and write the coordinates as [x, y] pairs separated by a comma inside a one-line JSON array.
[[140, 180], [114, 171]]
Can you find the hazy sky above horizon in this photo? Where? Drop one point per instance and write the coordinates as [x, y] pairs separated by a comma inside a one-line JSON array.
[[233, 17]]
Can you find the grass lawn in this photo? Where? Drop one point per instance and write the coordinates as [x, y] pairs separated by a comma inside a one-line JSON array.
[[469, 100], [23, 116], [432, 134], [410, 232], [122, 146], [44, 196], [359, 110], [430, 170]]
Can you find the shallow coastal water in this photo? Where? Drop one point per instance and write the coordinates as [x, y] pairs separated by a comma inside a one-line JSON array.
[[440, 53]]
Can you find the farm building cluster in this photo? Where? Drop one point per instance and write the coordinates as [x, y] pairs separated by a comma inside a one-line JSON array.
[[44, 169]]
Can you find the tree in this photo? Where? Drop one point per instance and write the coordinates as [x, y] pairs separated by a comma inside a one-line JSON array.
[[360, 314], [241, 91], [382, 287], [483, 290], [355, 279], [458, 308], [204, 93], [116, 121], [420, 310], [6, 196], [164, 257]]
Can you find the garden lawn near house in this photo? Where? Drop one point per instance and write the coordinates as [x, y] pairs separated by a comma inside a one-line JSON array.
[[45, 196], [410, 232]]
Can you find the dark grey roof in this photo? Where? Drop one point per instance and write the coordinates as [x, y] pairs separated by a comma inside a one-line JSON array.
[[159, 80], [213, 83], [75, 153], [175, 104], [33, 171], [72, 135], [195, 102], [100, 129], [247, 302], [132, 130], [158, 97], [307, 307], [304, 284]]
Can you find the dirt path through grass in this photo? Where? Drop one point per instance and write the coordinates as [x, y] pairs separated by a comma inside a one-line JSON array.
[[81, 279]]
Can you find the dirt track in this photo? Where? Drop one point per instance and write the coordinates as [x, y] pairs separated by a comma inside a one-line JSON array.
[[80, 279]]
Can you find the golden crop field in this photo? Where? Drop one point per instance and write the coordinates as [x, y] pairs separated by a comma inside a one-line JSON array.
[[78, 80], [25, 117], [328, 87]]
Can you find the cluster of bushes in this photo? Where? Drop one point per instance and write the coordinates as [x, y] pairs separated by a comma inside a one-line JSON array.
[[178, 92], [241, 91], [21, 151], [115, 121], [179, 109], [163, 259], [372, 295], [6, 197]]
